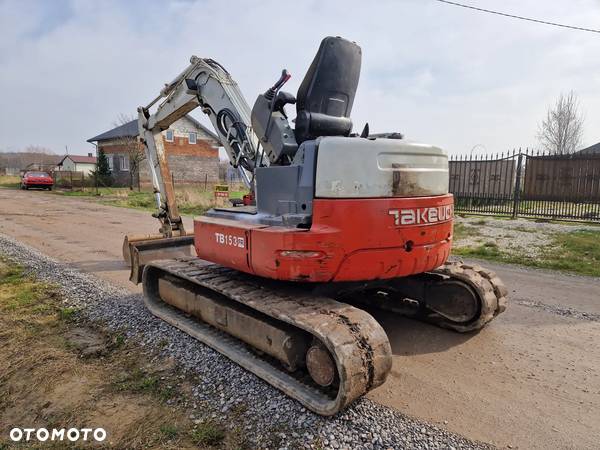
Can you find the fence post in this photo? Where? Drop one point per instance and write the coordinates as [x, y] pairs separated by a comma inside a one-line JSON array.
[[517, 193]]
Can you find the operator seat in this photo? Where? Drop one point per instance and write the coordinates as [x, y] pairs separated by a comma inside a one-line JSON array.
[[325, 97]]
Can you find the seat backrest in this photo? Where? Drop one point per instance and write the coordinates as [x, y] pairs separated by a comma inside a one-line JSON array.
[[326, 94]]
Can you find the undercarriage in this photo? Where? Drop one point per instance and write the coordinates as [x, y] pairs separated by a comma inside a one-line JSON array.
[[313, 342]]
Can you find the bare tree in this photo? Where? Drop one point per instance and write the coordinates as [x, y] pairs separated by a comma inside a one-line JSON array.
[[133, 150], [38, 149], [561, 132]]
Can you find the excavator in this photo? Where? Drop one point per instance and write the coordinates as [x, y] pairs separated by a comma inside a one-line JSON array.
[[335, 223]]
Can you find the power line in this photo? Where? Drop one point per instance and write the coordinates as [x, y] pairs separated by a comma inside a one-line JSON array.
[[529, 19]]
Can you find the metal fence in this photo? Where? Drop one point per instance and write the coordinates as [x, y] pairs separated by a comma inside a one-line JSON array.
[[529, 184]]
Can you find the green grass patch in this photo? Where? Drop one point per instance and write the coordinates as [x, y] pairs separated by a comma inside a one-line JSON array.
[[460, 231], [10, 181], [191, 200], [119, 340], [208, 433], [464, 231], [575, 251], [20, 292], [27, 303], [67, 314], [132, 199], [169, 431], [481, 251], [139, 381]]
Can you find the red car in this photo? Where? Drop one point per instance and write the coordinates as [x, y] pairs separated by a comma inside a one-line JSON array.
[[37, 180]]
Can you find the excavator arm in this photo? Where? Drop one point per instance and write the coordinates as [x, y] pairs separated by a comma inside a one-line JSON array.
[[205, 84]]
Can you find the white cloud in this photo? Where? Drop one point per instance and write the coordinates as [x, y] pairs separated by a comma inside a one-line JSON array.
[[439, 74]]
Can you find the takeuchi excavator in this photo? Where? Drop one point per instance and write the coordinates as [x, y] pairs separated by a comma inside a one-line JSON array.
[[334, 223]]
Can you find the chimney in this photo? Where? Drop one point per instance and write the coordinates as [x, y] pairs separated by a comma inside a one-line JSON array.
[[90, 155]]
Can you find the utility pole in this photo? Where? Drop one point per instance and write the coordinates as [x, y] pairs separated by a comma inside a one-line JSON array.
[[96, 171]]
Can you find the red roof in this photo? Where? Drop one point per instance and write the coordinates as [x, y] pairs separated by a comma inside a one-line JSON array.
[[80, 159]]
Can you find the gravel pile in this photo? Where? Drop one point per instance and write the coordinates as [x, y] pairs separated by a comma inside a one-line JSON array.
[[269, 419]]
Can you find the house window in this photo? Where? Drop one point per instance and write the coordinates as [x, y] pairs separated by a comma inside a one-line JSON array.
[[192, 137], [111, 164], [170, 137], [125, 163]]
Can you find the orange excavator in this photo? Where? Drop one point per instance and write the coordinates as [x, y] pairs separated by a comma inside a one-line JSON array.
[[335, 222]]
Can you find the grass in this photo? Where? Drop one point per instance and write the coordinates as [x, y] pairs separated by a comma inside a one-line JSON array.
[[67, 313], [21, 295], [191, 200], [169, 431], [208, 433], [119, 340], [576, 252], [10, 181], [463, 231], [41, 365], [139, 381]]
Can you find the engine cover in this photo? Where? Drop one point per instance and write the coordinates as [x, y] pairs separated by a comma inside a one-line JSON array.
[[349, 240]]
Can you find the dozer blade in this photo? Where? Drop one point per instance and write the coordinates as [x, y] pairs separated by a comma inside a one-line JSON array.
[[141, 250], [136, 238]]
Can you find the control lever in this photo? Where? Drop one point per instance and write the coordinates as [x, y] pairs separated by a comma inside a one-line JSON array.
[[285, 76]]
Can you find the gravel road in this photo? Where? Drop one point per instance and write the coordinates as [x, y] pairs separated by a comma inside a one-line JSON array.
[[529, 380]]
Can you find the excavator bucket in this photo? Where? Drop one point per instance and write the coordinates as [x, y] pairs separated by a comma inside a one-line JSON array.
[[140, 250]]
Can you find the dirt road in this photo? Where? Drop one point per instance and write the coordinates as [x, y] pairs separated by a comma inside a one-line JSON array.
[[530, 380]]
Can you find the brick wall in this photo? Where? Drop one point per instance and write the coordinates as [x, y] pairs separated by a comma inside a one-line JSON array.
[[181, 146], [189, 163], [191, 169]]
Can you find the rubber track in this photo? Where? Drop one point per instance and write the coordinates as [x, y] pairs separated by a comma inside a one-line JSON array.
[[357, 342], [489, 288]]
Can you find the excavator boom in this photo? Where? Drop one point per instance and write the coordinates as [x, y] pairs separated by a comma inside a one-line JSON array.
[[206, 84]]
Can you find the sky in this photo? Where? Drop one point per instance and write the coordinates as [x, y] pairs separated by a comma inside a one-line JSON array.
[[443, 75]]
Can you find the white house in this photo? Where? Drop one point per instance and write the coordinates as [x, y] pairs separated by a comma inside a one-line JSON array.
[[78, 163]]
